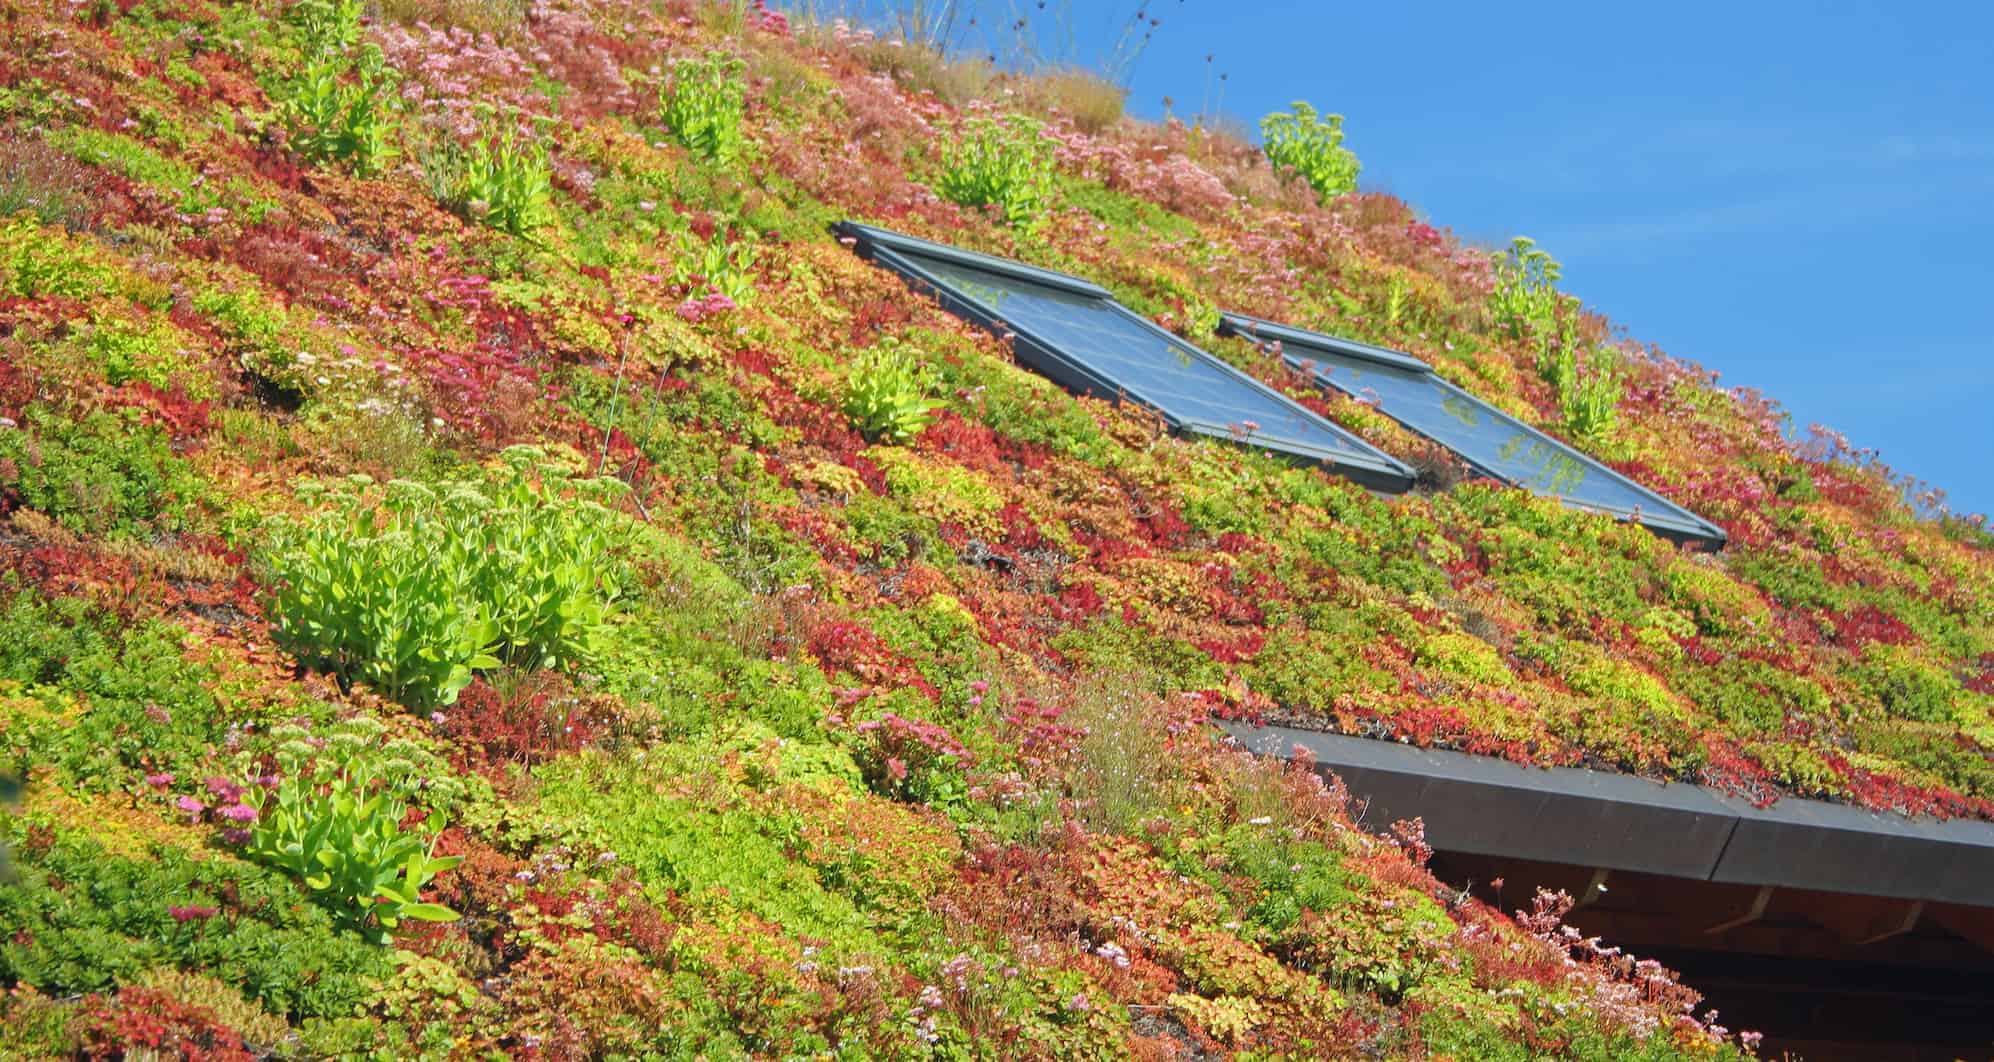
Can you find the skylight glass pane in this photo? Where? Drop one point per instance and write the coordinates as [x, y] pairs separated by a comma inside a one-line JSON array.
[[1496, 444], [1147, 363], [1500, 446], [1075, 333]]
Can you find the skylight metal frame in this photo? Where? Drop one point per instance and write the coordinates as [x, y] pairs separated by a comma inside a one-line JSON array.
[[1694, 531], [1361, 463]]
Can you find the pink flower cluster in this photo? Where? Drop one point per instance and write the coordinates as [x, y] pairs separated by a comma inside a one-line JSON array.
[[703, 307], [899, 747]]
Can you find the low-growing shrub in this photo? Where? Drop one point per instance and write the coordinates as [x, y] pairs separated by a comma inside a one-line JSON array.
[[413, 588], [1001, 164], [339, 106], [885, 398], [1092, 102], [42, 182], [701, 102], [107, 701], [1589, 395], [722, 265], [1312, 147]]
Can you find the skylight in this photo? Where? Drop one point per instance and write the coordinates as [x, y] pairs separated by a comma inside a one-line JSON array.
[[1076, 334], [1494, 443]]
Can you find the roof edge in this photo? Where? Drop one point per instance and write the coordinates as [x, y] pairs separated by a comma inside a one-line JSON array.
[[1606, 820]]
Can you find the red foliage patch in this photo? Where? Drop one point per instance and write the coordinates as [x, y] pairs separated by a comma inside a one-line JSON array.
[[183, 418], [144, 1019], [845, 646], [1864, 624], [541, 716]]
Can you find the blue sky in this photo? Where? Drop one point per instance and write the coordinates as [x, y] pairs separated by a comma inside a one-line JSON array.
[[1799, 196]]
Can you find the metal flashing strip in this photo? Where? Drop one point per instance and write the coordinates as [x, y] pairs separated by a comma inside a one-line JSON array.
[[1131, 357], [1487, 806], [1492, 442], [1260, 328], [871, 236]]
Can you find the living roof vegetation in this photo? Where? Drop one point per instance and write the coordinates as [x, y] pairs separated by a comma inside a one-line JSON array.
[[1492, 442], [783, 669]]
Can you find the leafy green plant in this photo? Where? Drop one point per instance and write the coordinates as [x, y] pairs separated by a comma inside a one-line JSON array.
[[414, 588], [1525, 299], [108, 700], [721, 265], [339, 107], [1311, 146], [1589, 394], [884, 397], [335, 821], [999, 163], [701, 102], [328, 25], [339, 110], [498, 182]]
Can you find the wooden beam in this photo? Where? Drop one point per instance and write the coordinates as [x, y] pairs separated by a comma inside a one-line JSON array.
[[1594, 888], [1756, 911], [1863, 920], [1975, 924]]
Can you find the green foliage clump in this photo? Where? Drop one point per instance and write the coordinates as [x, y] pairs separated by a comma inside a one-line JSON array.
[[721, 265], [702, 102], [1527, 306], [1525, 298], [1311, 145], [334, 821], [37, 262], [885, 398], [338, 108], [84, 920], [104, 701], [414, 588], [729, 853], [107, 473], [1588, 392], [1907, 687], [1003, 164], [1290, 876], [498, 182]]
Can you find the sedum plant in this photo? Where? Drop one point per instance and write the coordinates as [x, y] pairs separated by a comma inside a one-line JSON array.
[[332, 117], [884, 397], [702, 103], [721, 264], [1311, 146], [498, 182], [1525, 298], [335, 820], [413, 588], [1002, 164], [339, 107], [1589, 394]]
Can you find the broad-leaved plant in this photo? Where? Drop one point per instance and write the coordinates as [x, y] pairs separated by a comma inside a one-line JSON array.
[[701, 102], [413, 588], [1311, 146]]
